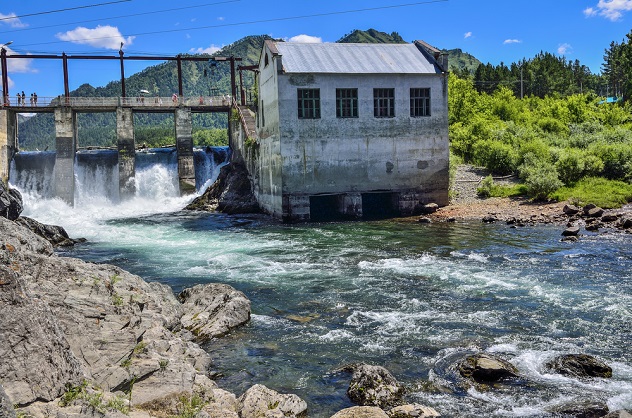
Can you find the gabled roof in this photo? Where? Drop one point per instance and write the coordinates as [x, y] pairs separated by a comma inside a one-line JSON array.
[[345, 58]]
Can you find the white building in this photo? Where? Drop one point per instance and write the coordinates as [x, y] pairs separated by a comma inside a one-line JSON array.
[[349, 130]]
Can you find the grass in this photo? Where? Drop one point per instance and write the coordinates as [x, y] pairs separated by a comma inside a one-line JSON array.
[[490, 189], [607, 194]]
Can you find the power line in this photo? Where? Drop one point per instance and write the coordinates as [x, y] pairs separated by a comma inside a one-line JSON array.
[[252, 22], [122, 16], [64, 10]]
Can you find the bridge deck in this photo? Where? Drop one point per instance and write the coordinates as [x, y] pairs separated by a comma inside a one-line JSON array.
[[109, 104]]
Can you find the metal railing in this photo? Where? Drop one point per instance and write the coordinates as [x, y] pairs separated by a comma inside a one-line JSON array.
[[244, 124], [139, 101]]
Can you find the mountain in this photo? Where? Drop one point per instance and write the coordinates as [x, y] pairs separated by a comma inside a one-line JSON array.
[[460, 60], [371, 36]]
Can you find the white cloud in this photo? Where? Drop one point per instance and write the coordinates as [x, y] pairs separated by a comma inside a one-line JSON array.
[[221, 18], [512, 41], [22, 65], [306, 39], [210, 50], [100, 37], [12, 20], [610, 9], [564, 49], [467, 35]]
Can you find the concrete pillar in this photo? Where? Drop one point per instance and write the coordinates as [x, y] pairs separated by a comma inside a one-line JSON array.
[[66, 147], [126, 152], [184, 147], [296, 208], [8, 142]]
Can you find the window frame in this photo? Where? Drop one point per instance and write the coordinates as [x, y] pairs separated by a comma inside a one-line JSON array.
[[384, 102], [308, 101], [347, 103], [420, 100]]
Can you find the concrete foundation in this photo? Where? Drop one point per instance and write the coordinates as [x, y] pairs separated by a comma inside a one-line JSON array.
[[126, 152], [66, 147], [184, 146], [8, 142]]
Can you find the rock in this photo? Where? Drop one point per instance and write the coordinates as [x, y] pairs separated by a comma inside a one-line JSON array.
[[54, 234], [595, 212], [10, 202], [580, 365], [373, 386], [618, 414], [451, 219], [571, 231], [594, 227], [37, 361], [429, 208], [626, 223], [16, 238], [212, 310], [570, 209], [261, 402], [413, 411], [424, 220], [570, 239], [489, 219], [231, 193], [611, 217], [587, 409], [361, 412], [588, 207], [483, 368], [6, 406]]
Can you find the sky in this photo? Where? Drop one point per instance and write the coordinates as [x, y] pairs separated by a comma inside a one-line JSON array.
[[494, 31]]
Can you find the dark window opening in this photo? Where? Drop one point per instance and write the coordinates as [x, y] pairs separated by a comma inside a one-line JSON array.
[[325, 208], [419, 102], [308, 103], [346, 103], [384, 103], [380, 205], [265, 61]]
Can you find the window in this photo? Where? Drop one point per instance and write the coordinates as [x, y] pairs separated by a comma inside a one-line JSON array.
[[263, 115], [384, 103], [265, 60], [419, 102], [308, 103], [346, 103]]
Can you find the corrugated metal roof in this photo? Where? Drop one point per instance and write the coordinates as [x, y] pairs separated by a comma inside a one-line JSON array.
[[354, 58]]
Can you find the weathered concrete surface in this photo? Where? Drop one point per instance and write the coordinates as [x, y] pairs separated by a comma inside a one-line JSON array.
[[126, 151], [8, 139], [65, 147], [184, 147]]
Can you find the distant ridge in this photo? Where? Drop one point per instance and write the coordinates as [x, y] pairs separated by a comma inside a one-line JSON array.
[[371, 36]]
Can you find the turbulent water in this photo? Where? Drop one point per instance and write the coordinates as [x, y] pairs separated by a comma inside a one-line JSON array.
[[414, 298]]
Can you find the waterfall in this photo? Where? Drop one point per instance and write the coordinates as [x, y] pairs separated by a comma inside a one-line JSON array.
[[97, 179]]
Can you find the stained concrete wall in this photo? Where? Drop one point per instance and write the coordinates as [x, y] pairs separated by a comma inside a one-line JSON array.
[[299, 158], [65, 148], [126, 152], [8, 142], [184, 146]]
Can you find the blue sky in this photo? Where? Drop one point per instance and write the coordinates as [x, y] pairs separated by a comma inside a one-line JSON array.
[[493, 31]]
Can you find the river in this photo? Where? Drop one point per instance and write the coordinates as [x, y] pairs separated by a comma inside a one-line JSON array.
[[412, 297]]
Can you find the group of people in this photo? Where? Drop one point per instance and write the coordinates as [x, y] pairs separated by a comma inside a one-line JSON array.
[[22, 99]]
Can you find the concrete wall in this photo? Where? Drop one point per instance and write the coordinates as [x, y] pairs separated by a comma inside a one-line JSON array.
[[184, 145], [126, 151], [8, 142]]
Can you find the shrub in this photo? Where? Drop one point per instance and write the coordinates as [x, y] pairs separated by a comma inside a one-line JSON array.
[[499, 157], [486, 187], [553, 126], [616, 159], [540, 177], [570, 166]]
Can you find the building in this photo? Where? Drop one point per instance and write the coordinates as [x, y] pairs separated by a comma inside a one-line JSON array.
[[349, 130]]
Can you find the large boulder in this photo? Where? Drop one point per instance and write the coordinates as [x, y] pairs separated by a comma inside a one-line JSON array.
[[37, 361], [581, 409], [231, 193], [213, 309], [54, 234], [580, 365], [262, 402], [483, 368], [10, 202], [361, 412], [373, 386], [16, 238], [413, 411]]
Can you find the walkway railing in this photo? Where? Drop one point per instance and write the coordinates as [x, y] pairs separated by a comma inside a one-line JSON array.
[[139, 101], [249, 133]]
